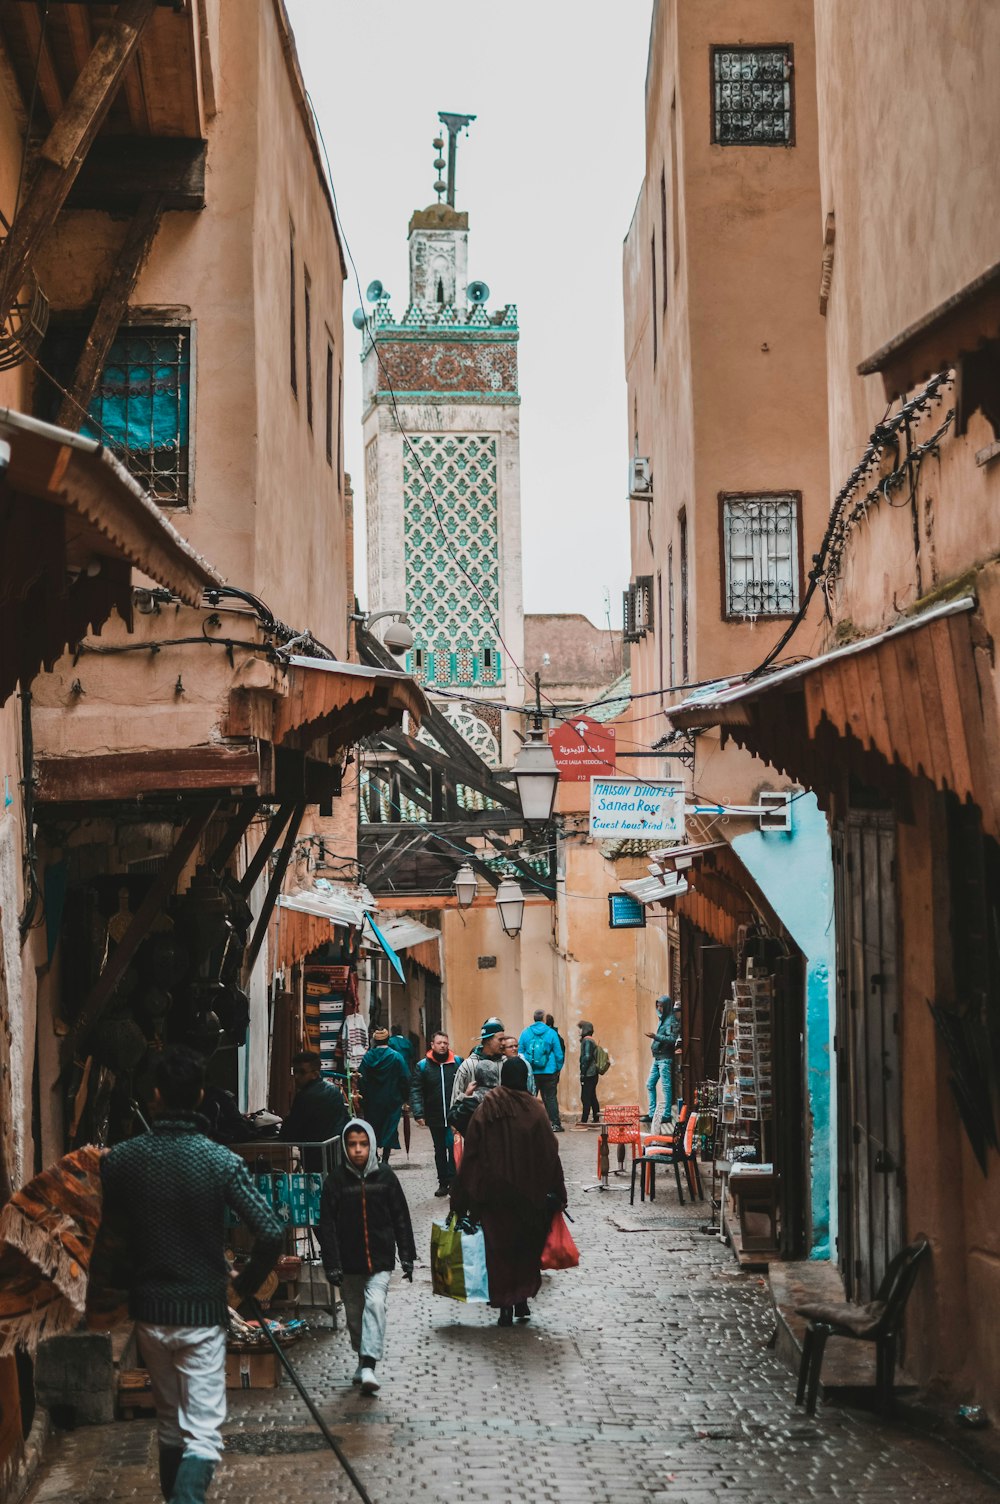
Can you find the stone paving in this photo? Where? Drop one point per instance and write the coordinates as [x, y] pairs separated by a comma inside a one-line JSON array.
[[645, 1375]]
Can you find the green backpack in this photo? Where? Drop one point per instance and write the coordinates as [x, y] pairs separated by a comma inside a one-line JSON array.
[[601, 1058]]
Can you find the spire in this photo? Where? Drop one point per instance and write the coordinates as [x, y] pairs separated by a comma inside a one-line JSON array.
[[439, 234], [452, 124]]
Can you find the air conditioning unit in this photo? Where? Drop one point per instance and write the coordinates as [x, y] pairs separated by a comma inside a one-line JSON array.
[[775, 809], [640, 478]]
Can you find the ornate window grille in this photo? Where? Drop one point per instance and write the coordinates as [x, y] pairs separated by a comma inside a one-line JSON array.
[[637, 609], [761, 554], [752, 103], [141, 408]]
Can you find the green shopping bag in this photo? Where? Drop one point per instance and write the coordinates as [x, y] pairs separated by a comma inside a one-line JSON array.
[[458, 1261]]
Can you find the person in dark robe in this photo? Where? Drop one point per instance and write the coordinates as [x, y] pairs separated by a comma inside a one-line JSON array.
[[511, 1180], [385, 1086]]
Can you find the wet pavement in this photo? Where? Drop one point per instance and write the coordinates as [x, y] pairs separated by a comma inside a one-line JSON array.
[[644, 1375]]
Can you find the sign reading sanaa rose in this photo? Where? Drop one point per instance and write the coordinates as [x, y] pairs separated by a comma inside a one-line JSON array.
[[583, 749]]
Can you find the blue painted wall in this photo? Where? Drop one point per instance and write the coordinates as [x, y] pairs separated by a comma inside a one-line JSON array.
[[795, 872]]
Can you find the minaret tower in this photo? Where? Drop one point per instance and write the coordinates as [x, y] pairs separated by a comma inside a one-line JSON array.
[[442, 469]]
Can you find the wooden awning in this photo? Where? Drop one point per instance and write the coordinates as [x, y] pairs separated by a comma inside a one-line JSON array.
[[343, 702], [73, 525], [958, 327], [917, 695]]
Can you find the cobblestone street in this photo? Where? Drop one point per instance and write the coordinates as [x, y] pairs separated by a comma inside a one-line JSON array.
[[644, 1375]]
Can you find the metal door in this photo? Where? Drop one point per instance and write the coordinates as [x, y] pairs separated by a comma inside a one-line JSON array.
[[871, 1168]]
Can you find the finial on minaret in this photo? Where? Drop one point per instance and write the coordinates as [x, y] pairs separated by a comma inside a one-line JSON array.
[[452, 124], [439, 163]]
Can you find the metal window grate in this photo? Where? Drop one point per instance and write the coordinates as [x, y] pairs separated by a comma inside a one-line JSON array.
[[761, 539], [752, 96], [141, 408]]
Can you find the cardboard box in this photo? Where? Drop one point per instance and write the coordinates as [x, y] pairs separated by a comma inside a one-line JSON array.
[[253, 1370]]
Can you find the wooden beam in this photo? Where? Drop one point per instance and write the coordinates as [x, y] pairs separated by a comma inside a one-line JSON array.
[[160, 890], [258, 861], [135, 97], [49, 86], [68, 142], [234, 833], [419, 754], [120, 171], [131, 775], [77, 24], [110, 311], [459, 828], [273, 889]]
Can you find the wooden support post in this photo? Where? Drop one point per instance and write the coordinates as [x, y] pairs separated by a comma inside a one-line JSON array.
[[110, 311], [48, 79], [235, 831], [139, 926], [259, 859], [68, 142], [273, 889]]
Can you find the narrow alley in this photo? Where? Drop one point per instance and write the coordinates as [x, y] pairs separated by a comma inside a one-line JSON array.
[[644, 1375]]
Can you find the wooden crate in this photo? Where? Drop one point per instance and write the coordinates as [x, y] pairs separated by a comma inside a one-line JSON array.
[[253, 1369]]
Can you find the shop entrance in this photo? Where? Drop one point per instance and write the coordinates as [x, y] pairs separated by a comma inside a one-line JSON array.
[[868, 1053]]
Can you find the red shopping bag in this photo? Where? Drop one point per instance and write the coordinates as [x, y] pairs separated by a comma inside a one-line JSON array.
[[560, 1252]]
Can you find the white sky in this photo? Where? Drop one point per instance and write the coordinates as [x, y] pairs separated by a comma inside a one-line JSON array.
[[549, 172]]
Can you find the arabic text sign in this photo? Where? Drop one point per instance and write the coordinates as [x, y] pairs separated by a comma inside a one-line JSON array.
[[583, 748], [621, 810]]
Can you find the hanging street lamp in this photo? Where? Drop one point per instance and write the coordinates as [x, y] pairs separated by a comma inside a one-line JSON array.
[[510, 906], [535, 771], [465, 886]]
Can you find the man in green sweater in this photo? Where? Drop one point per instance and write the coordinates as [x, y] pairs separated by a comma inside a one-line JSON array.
[[166, 1194]]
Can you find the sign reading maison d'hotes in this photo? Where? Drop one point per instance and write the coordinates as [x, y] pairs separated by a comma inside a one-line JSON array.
[[623, 810]]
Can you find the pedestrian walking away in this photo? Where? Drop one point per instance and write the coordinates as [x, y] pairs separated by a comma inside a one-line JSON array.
[[166, 1197], [318, 1111], [540, 1046], [664, 1042], [385, 1086], [364, 1221], [588, 1074], [511, 1180], [550, 1020], [430, 1101]]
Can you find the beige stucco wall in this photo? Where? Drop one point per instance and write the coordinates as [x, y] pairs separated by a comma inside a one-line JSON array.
[[736, 399], [522, 980], [913, 190]]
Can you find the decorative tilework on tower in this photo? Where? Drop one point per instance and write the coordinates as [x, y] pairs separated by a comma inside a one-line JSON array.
[[452, 559]]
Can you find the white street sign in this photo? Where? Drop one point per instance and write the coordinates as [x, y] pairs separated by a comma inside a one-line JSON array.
[[620, 809]]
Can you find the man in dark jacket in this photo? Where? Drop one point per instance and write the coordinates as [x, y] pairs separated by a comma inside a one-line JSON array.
[[363, 1219], [430, 1100], [385, 1086], [318, 1112], [166, 1194]]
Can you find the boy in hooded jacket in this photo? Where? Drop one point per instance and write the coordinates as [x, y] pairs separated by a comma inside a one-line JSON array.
[[363, 1220]]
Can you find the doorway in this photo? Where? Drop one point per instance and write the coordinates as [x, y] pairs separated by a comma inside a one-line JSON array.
[[870, 1171]]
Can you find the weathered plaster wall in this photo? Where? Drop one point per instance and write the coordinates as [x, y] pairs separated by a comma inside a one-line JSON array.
[[913, 192], [778, 863], [301, 559], [521, 981]]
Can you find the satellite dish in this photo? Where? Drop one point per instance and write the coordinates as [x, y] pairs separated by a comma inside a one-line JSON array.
[[358, 318], [375, 291], [478, 292]]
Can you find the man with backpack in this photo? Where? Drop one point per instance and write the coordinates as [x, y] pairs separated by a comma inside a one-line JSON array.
[[539, 1044], [594, 1061]]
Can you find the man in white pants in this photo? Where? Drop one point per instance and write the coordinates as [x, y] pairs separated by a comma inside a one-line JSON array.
[[165, 1195]]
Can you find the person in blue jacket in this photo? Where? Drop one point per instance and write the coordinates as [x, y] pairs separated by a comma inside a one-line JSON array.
[[541, 1048]]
